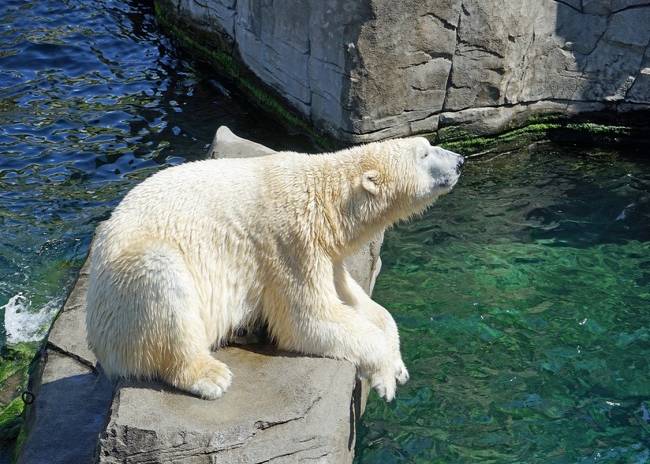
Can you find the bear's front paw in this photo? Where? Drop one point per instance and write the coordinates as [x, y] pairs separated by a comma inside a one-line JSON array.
[[401, 373], [384, 384]]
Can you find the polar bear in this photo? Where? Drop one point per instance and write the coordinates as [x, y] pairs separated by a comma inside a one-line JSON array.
[[199, 250]]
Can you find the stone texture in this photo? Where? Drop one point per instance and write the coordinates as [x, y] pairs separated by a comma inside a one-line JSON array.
[[227, 145], [373, 69], [68, 334], [69, 411], [506, 57], [365, 265], [281, 407]]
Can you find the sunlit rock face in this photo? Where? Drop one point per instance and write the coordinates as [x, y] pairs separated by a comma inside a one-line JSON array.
[[377, 68]]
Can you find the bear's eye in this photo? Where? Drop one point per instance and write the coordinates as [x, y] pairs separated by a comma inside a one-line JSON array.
[[426, 153]]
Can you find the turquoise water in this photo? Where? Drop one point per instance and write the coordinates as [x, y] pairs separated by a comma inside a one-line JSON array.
[[523, 301], [522, 297]]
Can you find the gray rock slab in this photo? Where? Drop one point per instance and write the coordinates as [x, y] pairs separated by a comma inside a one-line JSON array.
[[281, 407], [365, 265], [226, 144], [68, 334], [68, 414]]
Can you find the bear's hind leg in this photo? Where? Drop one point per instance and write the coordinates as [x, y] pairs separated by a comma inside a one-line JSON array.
[[166, 335]]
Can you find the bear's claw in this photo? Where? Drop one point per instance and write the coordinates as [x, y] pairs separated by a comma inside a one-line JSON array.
[[384, 385]]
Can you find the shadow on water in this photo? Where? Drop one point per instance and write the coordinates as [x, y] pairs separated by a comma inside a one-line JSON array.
[[573, 196]]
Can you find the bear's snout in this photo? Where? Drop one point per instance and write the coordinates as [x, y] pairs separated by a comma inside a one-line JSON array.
[[454, 161]]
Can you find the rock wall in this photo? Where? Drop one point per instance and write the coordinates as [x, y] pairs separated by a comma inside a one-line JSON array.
[[372, 69]]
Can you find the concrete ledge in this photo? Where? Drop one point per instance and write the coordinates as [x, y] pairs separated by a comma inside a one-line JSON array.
[[281, 407]]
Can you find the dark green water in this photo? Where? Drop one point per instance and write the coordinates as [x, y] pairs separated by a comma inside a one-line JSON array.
[[523, 301], [522, 297]]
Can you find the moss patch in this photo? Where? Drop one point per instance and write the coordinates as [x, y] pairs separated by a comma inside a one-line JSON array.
[[15, 362], [549, 128], [466, 143], [205, 48], [10, 419]]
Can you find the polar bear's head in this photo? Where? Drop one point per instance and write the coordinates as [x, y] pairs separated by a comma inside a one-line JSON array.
[[437, 170], [404, 176]]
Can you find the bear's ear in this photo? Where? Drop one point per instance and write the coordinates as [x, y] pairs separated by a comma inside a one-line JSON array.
[[369, 181]]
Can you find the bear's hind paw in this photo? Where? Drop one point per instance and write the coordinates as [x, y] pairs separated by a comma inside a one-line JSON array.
[[214, 382]]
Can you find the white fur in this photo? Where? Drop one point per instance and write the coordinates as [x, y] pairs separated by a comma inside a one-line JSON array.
[[199, 250]]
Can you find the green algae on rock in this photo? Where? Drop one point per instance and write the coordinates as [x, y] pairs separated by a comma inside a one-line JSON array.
[[15, 363], [550, 128]]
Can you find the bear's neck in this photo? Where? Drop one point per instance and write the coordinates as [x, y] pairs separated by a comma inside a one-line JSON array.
[[344, 224]]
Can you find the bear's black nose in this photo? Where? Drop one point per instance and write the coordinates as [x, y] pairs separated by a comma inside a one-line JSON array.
[[459, 164]]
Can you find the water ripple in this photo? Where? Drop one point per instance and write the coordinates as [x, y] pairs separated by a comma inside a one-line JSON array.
[[522, 300], [93, 98]]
